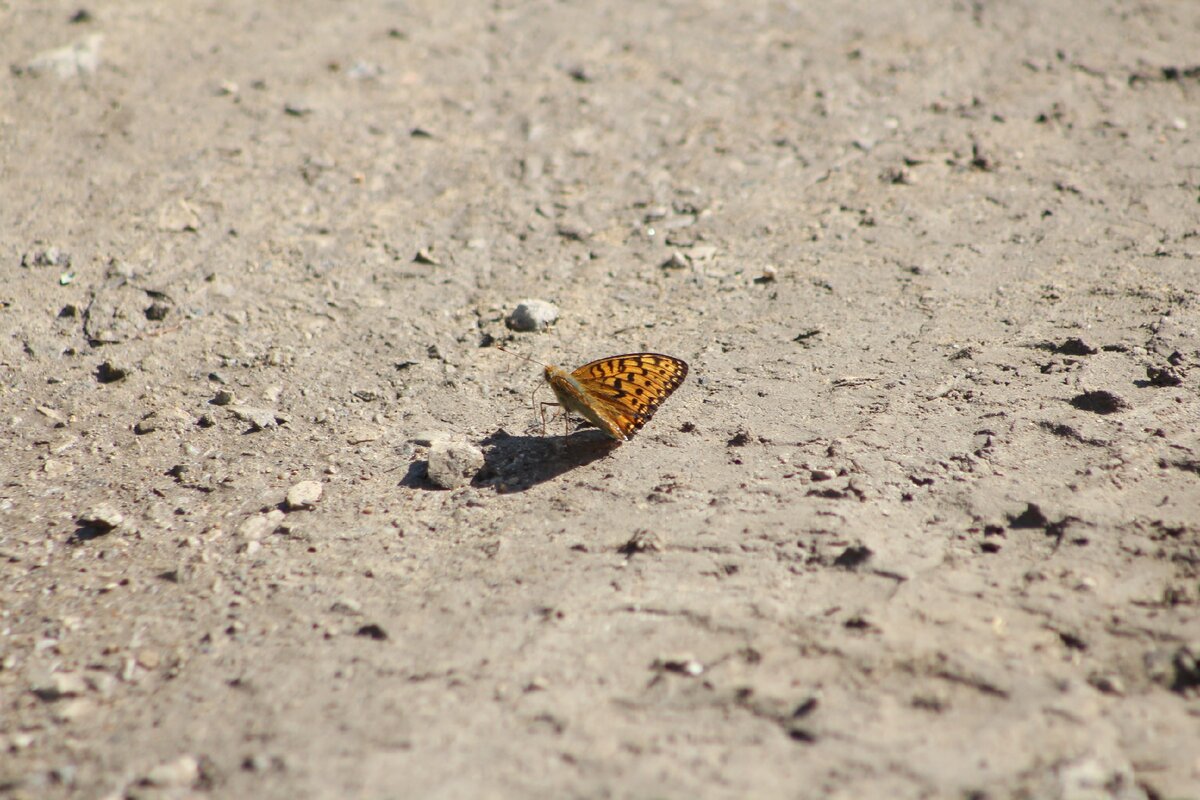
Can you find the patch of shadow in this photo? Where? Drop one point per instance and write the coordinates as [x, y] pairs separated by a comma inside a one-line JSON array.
[[372, 631], [1069, 347], [1099, 401], [1186, 662], [417, 476], [1034, 517], [851, 492], [1031, 517], [517, 463], [853, 557], [1185, 464], [794, 722], [1067, 432], [1170, 74], [87, 531], [806, 337], [1072, 641]]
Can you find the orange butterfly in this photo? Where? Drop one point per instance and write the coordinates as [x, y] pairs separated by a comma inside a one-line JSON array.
[[618, 394]]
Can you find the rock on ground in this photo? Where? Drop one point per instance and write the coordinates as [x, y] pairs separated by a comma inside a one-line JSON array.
[[453, 464]]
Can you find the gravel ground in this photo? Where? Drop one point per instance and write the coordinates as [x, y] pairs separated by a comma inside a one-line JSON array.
[[923, 521]]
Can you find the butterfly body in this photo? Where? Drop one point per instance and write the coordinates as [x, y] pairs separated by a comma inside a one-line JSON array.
[[618, 394]]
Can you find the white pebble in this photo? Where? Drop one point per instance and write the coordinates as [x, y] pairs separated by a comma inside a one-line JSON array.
[[532, 315], [304, 494], [453, 464], [183, 771]]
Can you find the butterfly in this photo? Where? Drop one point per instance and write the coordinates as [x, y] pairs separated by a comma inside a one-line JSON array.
[[618, 394]]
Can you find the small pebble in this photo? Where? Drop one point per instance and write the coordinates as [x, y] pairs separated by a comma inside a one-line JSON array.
[[57, 469], [223, 397], [183, 771], [74, 60], [60, 685], [532, 315], [1108, 684], [453, 464], [20, 741], [346, 605], [262, 762], [259, 418], [54, 415], [64, 775], [303, 495], [425, 256], [254, 528], [74, 709], [103, 517], [148, 659], [1162, 376], [297, 108], [48, 257], [683, 665], [428, 437], [102, 683], [575, 230], [677, 261]]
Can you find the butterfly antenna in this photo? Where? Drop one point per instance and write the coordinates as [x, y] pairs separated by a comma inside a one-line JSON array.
[[519, 355]]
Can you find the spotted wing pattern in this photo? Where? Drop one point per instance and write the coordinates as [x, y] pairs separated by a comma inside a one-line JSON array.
[[627, 390]]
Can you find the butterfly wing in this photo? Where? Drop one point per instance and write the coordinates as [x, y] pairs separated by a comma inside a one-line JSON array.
[[626, 390]]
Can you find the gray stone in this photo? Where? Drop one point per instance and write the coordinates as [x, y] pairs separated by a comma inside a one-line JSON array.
[[304, 494], [103, 517], [253, 528], [79, 58], [453, 464], [102, 683], [183, 771], [574, 229], [60, 685], [260, 418], [426, 438], [677, 261], [73, 709], [346, 605], [532, 315]]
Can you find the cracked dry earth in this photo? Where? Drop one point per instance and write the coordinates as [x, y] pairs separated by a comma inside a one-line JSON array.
[[922, 522]]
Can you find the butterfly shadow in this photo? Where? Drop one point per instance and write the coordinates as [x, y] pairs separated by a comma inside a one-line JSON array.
[[516, 463]]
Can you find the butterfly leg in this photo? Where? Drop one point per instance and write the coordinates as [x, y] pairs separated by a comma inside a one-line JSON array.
[[539, 408], [543, 413]]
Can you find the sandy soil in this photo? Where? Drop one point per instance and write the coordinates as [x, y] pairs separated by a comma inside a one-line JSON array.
[[923, 521]]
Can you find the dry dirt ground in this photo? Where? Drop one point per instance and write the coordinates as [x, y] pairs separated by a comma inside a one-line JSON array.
[[923, 521]]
